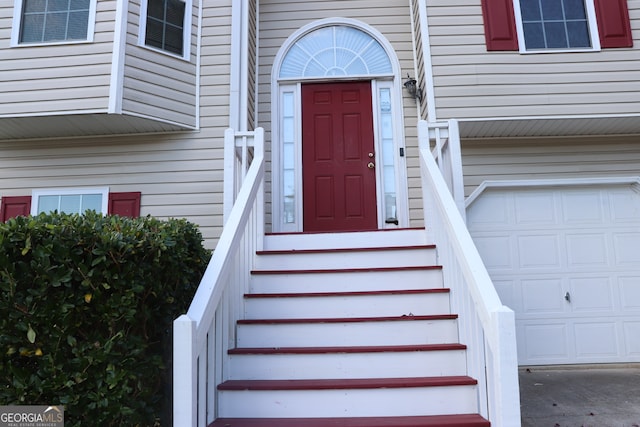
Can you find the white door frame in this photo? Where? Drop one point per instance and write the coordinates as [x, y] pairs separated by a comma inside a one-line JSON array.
[[288, 91]]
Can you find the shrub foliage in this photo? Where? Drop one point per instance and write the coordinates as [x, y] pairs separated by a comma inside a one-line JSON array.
[[87, 307]]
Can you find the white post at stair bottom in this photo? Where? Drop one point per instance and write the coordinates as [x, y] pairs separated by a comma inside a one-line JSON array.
[[185, 392]]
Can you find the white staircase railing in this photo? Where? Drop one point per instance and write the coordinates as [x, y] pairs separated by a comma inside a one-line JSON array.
[[486, 326], [444, 141], [203, 335]]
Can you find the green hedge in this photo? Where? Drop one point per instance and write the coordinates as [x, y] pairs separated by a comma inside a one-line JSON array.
[[87, 307]]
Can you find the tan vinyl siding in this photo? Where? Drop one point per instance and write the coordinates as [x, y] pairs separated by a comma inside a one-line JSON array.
[[179, 174], [279, 19], [252, 65], [156, 84], [548, 158], [473, 83], [56, 78]]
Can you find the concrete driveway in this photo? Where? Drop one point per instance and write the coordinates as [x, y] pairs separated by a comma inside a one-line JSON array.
[[580, 396]]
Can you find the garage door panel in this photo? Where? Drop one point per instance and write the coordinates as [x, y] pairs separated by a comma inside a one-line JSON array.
[[527, 208], [591, 294], [624, 206], [539, 251], [597, 339], [542, 296], [586, 250], [627, 248], [545, 342], [631, 332], [582, 207], [630, 294], [542, 244], [498, 251], [491, 211]]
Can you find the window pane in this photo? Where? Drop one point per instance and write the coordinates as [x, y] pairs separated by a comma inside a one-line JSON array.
[[154, 34], [58, 5], [578, 34], [31, 6], [32, 26], [91, 202], [555, 33], [552, 10], [155, 9], [534, 36], [70, 203], [574, 9], [530, 10], [175, 12], [55, 26], [79, 5], [173, 40], [78, 23], [48, 203]]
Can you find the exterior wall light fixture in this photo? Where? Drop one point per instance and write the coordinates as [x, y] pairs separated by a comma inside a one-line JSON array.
[[412, 87]]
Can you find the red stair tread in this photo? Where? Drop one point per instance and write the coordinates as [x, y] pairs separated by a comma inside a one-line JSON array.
[[462, 420], [348, 294], [347, 319], [346, 384], [339, 250], [354, 349], [347, 270]]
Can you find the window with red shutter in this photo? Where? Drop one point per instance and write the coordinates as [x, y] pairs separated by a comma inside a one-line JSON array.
[[73, 200], [556, 26]]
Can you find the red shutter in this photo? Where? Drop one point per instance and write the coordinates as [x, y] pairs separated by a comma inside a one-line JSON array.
[[613, 23], [500, 25], [12, 206], [125, 204]]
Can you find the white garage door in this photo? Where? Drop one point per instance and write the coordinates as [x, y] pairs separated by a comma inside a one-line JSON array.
[[567, 261]]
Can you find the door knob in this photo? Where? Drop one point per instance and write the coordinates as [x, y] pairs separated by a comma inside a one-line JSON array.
[[371, 155], [371, 165]]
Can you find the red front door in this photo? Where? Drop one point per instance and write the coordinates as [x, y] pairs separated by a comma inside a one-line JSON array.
[[338, 163]]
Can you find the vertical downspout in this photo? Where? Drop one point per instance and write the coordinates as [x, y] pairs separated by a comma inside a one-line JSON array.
[[199, 62], [237, 99]]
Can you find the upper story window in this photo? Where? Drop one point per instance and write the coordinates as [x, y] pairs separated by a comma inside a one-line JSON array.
[[53, 21], [556, 25], [166, 26]]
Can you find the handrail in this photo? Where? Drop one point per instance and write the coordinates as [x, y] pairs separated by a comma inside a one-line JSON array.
[[486, 326], [203, 335]]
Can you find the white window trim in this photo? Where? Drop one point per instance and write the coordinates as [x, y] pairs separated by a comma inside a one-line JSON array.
[[286, 85], [17, 20], [593, 31], [37, 193], [186, 36]]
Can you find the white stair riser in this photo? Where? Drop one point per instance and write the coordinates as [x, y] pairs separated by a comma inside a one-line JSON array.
[[374, 239], [347, 365], [352, 259], [347, 306], [350, 403], [343, 282], [441, 331]]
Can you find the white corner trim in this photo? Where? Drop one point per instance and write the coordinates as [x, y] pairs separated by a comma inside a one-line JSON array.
[[118, 58], [428, 65], [633, 181]]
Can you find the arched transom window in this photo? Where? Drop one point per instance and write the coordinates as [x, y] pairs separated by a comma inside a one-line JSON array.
[[335, 51]]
